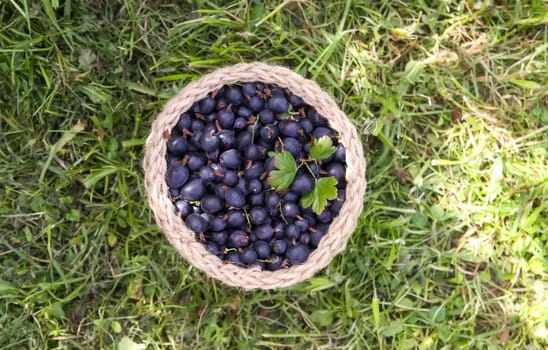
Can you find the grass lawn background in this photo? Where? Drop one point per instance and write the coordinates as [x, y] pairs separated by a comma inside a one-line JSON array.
[[450, 251]]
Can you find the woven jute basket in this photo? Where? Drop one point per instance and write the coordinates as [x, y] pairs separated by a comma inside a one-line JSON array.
[[184, 240]]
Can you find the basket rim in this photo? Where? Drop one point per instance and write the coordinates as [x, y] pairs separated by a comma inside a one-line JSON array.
[[183, 239]]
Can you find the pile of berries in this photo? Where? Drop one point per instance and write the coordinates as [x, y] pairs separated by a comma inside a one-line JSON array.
[[222, 155]]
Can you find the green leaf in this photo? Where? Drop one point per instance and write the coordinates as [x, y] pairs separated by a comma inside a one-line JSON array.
[[324, 189], [286, 167], [526, 84], [116, 327], [322, 317], [376, 312], [392, 329], [322, 148], [437, 212]]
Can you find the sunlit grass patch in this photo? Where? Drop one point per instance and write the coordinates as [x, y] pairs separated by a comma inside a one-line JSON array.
[[450, 251]]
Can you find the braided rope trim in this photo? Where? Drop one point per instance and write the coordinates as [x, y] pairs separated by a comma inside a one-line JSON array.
[[183, 239]]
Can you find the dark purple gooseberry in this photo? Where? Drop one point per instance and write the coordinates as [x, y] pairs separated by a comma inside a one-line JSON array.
[[250, 89], [177, 145], [278, 104], [184, 122], [196, 223], [238, 239], [297, 254], [177, 175], [274, 263], [234, 95], [256, 104], [262, 248], [266, 116], [193, 190]]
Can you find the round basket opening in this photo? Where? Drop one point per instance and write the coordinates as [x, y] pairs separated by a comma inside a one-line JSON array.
[[236, 139]]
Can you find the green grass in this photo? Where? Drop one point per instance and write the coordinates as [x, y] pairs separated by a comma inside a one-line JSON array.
[[451, 249]]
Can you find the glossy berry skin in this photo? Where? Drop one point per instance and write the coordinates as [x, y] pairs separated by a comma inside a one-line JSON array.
[[296, 101], [304, 238], [197, 125], [217, 224], [266, 116], [196, 161], [272, 199], [183, 208], [193, 190], [248, 256], [235, 218], [231, 178], [290, 128], [209, 142], [292, 145], [336, 170], [234, 258], [264, 232], [242, 186], [234, 95], [177, 145], [240, 123], [226, 139], [171, 159], [231, 159], [252, 152], [279, 247], [219, 237], [325, 216], [226, 119], [207, 174], [211, 204], [322, 131], [269, 133], [213, 248], [254, 171], [196, 223], [292, 231], [274, 263], [235, 198], [177, 175], [279, 229], [315, 238], [256, 104], [340, 154], [290, 210], [307, 125], [243, 139], [301, 225], [278, 104], [302, 184], [208, 105], [184, 122], [254, 186], [297, 254], [269, 164], [257, 216], [256, 200], [262, 248], [238, 239], [291, 197], [222, 103], [249, 89], [244, 112]]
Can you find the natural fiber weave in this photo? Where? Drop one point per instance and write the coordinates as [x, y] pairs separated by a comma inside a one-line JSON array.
[[183, 239]]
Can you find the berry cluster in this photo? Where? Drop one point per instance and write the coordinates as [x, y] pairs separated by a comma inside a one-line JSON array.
[[245, 173]]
